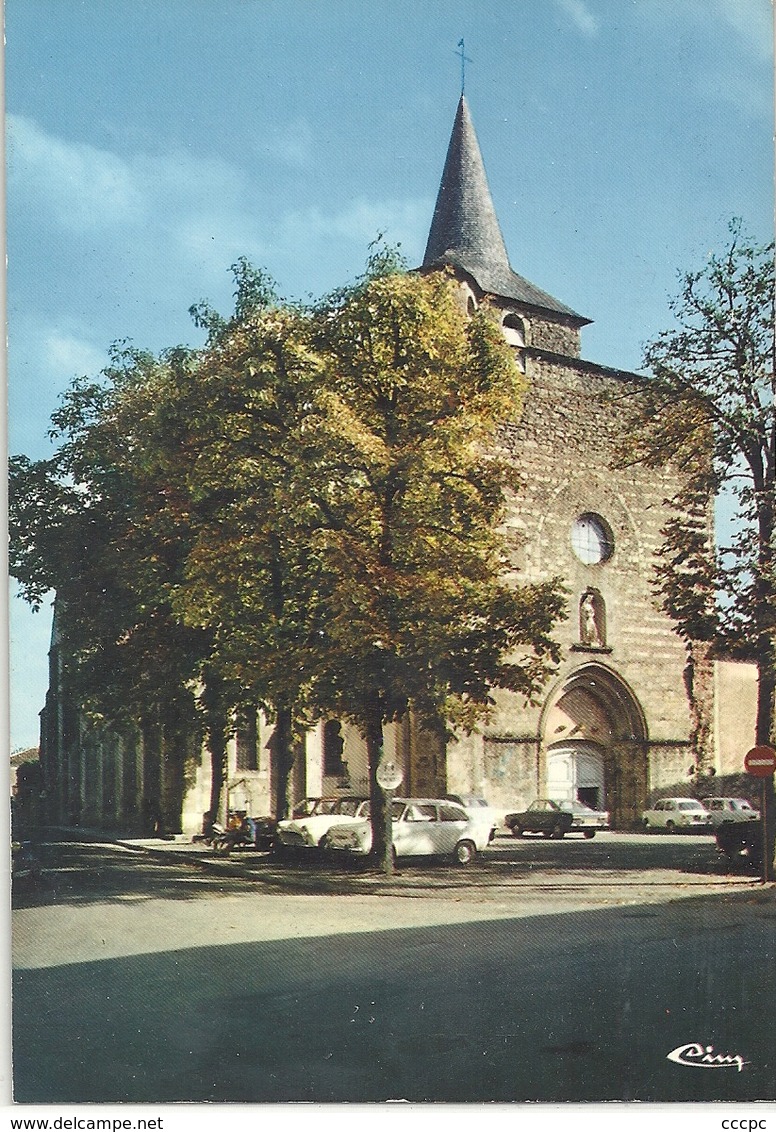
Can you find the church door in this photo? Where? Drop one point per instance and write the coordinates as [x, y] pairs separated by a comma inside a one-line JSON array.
[[576, 773]]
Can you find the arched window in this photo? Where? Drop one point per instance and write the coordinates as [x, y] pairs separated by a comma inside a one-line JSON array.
[[333, 746], [513, 329]]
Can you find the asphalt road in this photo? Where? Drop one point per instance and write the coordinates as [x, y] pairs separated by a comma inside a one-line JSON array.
[[549, 972]]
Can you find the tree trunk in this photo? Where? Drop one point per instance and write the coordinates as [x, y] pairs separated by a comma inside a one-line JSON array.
[[766, 693], [216, 730], [382, 848], [283, 755]]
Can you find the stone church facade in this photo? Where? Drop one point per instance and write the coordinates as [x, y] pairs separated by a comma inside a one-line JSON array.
[[619, 720]]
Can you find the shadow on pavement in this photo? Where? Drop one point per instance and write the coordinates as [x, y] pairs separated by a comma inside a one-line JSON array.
[[80, 872], [576, 1007]]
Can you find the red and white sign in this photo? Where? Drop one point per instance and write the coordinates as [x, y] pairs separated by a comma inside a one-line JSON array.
[[760, 761]]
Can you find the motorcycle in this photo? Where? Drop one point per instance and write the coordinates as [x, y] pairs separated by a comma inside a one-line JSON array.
[[243, 832]]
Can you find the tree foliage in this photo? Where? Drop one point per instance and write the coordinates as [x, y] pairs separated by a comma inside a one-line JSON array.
[[709, 408], [302, 515]]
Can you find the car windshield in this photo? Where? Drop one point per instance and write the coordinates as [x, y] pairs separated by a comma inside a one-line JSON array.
[[347, 806], [690, 806], [740, 804]]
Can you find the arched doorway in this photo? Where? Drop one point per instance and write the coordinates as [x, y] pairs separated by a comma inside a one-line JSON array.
[[576, 771], [593, 744]]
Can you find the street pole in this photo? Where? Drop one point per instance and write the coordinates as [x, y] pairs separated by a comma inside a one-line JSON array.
[[388, 854], [761, 762], [389, 777]]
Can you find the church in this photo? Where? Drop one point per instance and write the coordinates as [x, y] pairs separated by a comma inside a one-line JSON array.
[[626, 713]]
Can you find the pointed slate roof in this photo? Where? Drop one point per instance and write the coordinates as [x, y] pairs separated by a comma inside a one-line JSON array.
[[465, 231]]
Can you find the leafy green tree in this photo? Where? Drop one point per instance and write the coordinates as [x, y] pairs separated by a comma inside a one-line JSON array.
[[96, 524], [345, 497], [409, 484], [250, 580], [709, 408], [302, 515]]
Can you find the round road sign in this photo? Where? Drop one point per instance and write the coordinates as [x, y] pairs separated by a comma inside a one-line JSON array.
[[760, 761], [388, 774]]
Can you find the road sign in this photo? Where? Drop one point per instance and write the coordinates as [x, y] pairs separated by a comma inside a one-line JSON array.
[[760, 761], [388, 774]]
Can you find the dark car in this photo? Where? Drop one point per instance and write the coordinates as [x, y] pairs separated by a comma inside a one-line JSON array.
[[741, 842], [542, 816]]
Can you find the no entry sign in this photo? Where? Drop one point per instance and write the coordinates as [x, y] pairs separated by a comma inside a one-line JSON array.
[[760, 761]]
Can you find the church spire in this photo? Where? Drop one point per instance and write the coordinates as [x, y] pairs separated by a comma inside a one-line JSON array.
[[465, 231], [465, 223]]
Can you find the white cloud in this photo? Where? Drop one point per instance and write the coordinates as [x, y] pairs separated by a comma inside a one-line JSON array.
[[580, 15], [294, 145], [84, 187], [360, 222], [66, 354], [752, 23]]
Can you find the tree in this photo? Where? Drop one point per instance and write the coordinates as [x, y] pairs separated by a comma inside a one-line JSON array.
[[409, 485], [301, 515], [97, 524], [710, 408], [345, 497], [251, 579]]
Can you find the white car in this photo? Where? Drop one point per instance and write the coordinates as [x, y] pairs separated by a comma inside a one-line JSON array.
[[422, 827], [307, 831], [478, 810], [676, 813], [730, 809], [584, 819]]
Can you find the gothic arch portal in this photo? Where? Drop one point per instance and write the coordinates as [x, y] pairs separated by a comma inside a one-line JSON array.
[[593, 743]]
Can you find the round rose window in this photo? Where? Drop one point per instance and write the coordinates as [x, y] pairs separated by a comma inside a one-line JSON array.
[[591, 539]]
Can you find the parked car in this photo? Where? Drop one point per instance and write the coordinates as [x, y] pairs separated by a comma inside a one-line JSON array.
[[556, 819], [306, 807], [478, 810], [671, 814], [422, 827], [25, 865], [730, 809], [584, 819], [306, 832], [741, 842]]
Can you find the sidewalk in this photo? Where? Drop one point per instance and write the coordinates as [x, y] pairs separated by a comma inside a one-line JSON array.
[[494, 875]]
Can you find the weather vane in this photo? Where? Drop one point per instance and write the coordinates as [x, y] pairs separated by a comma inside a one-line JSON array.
[[464, 60]]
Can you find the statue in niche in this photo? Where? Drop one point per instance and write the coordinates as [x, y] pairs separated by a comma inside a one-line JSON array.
[[591, 620]]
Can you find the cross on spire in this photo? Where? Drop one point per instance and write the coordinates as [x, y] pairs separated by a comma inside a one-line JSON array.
[[464, 60]]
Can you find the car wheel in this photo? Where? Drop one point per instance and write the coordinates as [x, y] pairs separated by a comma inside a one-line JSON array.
[[557, 831], [517, 830], [589, 834], [670, 827], [465, 852], [646, 824]]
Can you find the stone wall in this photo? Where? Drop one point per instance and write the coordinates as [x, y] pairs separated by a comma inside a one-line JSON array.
[[634, 662]]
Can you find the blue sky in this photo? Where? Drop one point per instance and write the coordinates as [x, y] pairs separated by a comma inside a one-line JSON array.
[[152, 142]]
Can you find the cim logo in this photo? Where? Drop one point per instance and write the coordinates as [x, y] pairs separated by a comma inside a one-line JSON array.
[[696, 1056]]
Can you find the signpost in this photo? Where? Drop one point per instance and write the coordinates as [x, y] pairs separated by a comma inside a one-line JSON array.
[[760, 762], [389, 777]]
